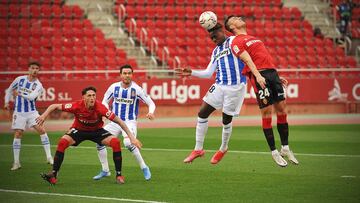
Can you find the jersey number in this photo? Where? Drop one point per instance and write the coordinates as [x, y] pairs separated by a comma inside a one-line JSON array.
[[212, 88], [264, 93]]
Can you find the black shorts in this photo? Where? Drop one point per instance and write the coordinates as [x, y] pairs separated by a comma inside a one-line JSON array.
[[273, 92], [96, 136]]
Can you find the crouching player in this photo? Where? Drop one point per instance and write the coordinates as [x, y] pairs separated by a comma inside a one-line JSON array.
[[87, 126]]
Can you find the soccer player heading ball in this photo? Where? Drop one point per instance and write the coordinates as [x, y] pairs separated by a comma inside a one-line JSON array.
[[227, 93], [267, 84]]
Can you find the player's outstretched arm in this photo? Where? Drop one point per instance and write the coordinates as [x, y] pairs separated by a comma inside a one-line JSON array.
[[132, 138], [41, 119], [246, 58]]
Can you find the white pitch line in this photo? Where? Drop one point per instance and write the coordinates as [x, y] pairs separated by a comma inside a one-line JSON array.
[[230, 151], [348, 176], [78, 196]]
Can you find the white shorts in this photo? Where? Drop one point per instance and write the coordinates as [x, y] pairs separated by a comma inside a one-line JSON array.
[[116, 130], [24, 120], [227, 98]]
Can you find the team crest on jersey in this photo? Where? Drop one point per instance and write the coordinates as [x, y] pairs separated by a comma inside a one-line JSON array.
[[68, 106], [34, 86], [265, 101], [133, 93], [21, 83]]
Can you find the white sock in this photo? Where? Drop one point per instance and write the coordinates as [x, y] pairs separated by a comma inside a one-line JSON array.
[[136, 152], [201, 130], [46, 144], [16, 150], [226, 134], [102, 154], [285, 147]]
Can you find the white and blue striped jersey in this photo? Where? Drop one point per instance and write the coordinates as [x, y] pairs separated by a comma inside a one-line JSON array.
[[27, 91], [228, 67], [125, 101]]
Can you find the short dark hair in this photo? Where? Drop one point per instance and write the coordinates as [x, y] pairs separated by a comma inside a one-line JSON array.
[[226, 21], [84, 91], [126, 66], [34, 63], [216, 27]]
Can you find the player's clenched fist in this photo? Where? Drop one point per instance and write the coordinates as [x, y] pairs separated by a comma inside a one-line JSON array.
[[183, 71]]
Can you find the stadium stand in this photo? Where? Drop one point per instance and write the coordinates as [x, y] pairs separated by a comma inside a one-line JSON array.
[[62, 38], [57, 35], [355, 17], [173, 27]]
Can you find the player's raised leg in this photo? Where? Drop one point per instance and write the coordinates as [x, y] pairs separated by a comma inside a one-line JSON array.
[[283, 129], [201, 130], [16, 149], [266, 113], [226, 134], [102, 154], [45, 142]]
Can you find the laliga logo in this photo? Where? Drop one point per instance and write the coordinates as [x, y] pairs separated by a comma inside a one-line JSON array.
[[181, 93]]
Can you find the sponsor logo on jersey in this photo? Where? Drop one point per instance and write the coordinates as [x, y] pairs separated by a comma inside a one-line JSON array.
[[88, 122], [222, 54], [251, 42], [124, 100], [24, 90], [68, 106]]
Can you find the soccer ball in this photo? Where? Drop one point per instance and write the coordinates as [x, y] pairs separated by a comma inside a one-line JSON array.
[[208, 20]]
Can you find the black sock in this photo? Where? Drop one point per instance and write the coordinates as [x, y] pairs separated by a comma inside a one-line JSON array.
[[283, 129], [117, 157], [269, 135], [58, 159]]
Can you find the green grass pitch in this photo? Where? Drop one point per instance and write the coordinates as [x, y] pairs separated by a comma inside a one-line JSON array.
[[329, 169]]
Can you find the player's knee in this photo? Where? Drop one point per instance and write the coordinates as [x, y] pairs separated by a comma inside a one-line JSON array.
[[205, 111], [62, 145], [18, 134], [115, 144], [226, 119], [266, 112], [41, 131], [127, 142]]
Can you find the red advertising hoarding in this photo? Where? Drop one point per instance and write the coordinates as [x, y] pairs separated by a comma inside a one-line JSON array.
[[191, 91]]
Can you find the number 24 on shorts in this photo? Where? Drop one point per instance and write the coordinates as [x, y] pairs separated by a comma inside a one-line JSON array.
[[263, 93]]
